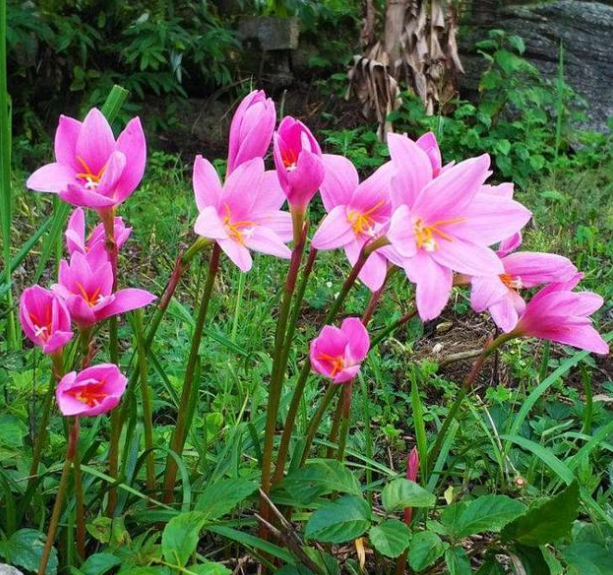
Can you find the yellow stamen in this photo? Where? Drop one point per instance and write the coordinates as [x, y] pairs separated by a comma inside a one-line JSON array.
[[424, 235], [510, 281], [90, 395], [234, 228], [338, 363], [363, 222], [87, 174], [91, 300]]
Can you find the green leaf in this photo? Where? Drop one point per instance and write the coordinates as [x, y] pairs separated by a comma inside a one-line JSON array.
[[181, 536], [223, 496], [487, 513], [390, 538], [457, 561], [339, 521], [426, 547], [210, 568], [25, 548], [319, 478], [588, 559], [99, 563], [402, 493], [532, 560], [546, 522], [13, 431]]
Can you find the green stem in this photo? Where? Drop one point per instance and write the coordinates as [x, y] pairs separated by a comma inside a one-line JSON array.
[[80, 508], [146, 397], [316, 420], [336, 423], [182, 426], [489, 348], [393, 327], [345, 419], [73, 437]]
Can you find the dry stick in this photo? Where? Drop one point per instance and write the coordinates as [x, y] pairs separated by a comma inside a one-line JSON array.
[[182, 426], [73, 437]]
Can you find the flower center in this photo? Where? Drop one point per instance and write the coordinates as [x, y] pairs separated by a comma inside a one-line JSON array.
[[336, 363], [511, 282], [236, 230], [290, 159], [91, 180], [91, 299], [427, 237], [91, 394], [363, 222], [42, 326]]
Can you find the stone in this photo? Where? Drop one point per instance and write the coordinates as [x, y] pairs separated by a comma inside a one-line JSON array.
[[271, 33], [8, 570], [585, 28]]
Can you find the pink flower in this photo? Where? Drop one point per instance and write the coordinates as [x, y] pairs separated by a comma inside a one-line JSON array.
[[558, 314], [93, 391], [522, 270], [93, 170], [338, 353], [251, 130], [298, 161], [75, 234], [356, 214], [86, 286], [427, 142], [44, 319], [243, 215], [412, 471], [445, 224]]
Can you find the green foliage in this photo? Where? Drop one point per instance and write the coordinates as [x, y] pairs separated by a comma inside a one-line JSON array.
[[402, 493]]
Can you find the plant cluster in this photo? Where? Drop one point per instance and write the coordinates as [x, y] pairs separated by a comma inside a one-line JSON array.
[[435, 222]]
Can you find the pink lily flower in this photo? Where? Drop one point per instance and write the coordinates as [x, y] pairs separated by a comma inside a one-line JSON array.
[[93, 391], [298, 161], [91, 169], [427, 142], [356, 214], [245, 214], [86, 285], [44, 319], [522, 270], [338, 353], [444, 224], [75, 234], [251, 129], [560, 315]]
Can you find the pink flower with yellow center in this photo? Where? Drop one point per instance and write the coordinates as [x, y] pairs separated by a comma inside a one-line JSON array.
[[357, 212], [338, 353], [93, 391], [76, 240]]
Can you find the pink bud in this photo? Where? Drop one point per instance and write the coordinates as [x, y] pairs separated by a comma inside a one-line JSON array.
[[93, 391], [412, 471], [75, 234], [251, 130]]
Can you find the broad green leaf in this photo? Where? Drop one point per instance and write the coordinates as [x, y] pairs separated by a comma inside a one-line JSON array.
[[390, 538], [532, 560], [319, 478], [457, 561], [209, 568], [487, 513], [24, 549], [426, 547], [13, 431], [588, 559], [339, 521], [181, 536], [99, 563], [223, 496], [546, 522], [402, 493]]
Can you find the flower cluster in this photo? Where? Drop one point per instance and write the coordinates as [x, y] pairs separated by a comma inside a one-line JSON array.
[[91, 170]]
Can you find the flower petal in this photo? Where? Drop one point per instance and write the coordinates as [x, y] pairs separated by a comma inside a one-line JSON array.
[[209, 224], [467, 258], [54, 178], [358, 342], [534, 268], [486, 291], [132, 144], [96, 141], [264, 240], [65, 146], [413, 170], [335, 231], [126, 300], [237, 253], [207, 186], [340, 181]]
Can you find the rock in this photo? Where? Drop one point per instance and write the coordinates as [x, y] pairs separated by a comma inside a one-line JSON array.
[[585, 29], [271, 33], [8, 570]]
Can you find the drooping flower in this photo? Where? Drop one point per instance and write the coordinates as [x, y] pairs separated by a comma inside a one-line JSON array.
[[557, 314], [298, 161], [338, 353], [86, 285], [45, 319], [251, 129], [522, 270], [75, 234], [93, 391], [356, 214], [91, 169], [244, 214], [445, 224]]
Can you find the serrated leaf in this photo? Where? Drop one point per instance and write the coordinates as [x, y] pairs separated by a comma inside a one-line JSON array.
[[181, 536], [487, 513], [402, 493], [339, 521], [24, 549], [223, 496], [547, 521], [588, 559], [457, 561], [390, 538], [426, 547]]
